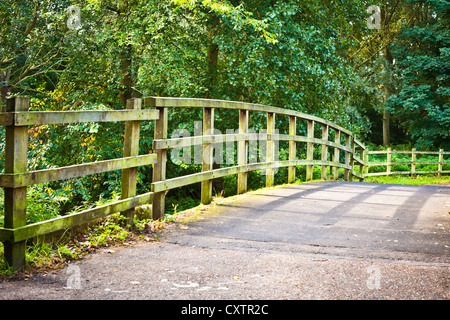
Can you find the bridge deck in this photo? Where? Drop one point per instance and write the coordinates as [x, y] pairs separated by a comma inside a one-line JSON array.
[[326, 240]]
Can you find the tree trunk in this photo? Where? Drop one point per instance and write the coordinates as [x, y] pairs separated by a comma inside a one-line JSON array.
[[126, 81], [211, 71], [212, 57]]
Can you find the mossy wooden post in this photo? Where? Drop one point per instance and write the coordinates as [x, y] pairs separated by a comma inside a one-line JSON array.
[[310, 150], [361, 165], [270, 153], [323, 175], [413, 162], [352, 157], [16, 198], [348, 176], [159, 168], [366, 163], [130, 149], [292, 148], [242, 151], [441, 161], [388, 161], [337, 139], [207, 154]]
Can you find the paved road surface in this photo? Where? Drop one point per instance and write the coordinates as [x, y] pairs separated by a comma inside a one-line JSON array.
[[326, 240]]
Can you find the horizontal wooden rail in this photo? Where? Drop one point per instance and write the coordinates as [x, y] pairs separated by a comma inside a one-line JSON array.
[[80, 170], [223, 172], [408, 152], [68, 221], [199, 140], [34, 118], [225, 104], [371, 164]]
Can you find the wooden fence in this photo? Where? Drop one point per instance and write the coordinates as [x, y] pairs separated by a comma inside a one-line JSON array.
[[339, 150], [389, 163]]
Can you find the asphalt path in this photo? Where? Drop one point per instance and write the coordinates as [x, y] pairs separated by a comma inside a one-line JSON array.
[[325, 240]]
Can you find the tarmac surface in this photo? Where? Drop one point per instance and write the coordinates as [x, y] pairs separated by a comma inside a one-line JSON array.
[[324, 240]]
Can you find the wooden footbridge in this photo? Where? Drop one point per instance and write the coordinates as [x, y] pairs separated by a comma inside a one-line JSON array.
[[340, 151]]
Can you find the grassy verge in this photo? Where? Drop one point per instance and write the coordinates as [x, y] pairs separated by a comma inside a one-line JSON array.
[[107, 232], [402, 179]]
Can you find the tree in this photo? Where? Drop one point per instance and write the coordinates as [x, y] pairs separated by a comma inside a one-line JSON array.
[[422, 71], [31, 42]]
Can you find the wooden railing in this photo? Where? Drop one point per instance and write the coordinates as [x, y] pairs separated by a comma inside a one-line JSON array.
[[439, 164], [342, 152], [344, 141]]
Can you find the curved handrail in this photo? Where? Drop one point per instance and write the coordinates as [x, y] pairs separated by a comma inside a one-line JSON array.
[[226, 104]]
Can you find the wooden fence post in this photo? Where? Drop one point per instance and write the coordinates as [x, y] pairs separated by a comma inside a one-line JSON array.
[[310, 150], [348, 155], [16, 198], [207, 154], [413, 164], [352, 157], [361, 166], [270, 151], [366, 163], [292, 148], [388, 160], [441, 161], [323, 175], [242, 151], [159, 168], [337, 139], [130, 149]]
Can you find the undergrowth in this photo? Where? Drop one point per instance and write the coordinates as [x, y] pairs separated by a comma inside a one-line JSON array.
[[42, 255]]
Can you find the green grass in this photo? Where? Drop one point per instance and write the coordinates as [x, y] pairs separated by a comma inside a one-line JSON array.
[[402, 179]]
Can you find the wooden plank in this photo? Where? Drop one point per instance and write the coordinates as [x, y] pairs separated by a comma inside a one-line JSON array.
[[324, 152], [366, 161], [441, 160], [359, 161], [360, 144], [225, 104], [75, 171], [371, 164], [15, 203], [310, 150], [65, 222], [352, 158], [6, 118], [413, 161], [208, 175], [199, 140], [6, 235], [292, 148], [409, 152], [159, 168], [130, 149], [270, 149], [242, 153], [388, 161], [64, 117], [336, 158], [207, 154], [361, 165], [348, 155]]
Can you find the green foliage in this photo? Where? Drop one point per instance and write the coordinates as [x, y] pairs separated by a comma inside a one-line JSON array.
[[422, 75], [300, 55]]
